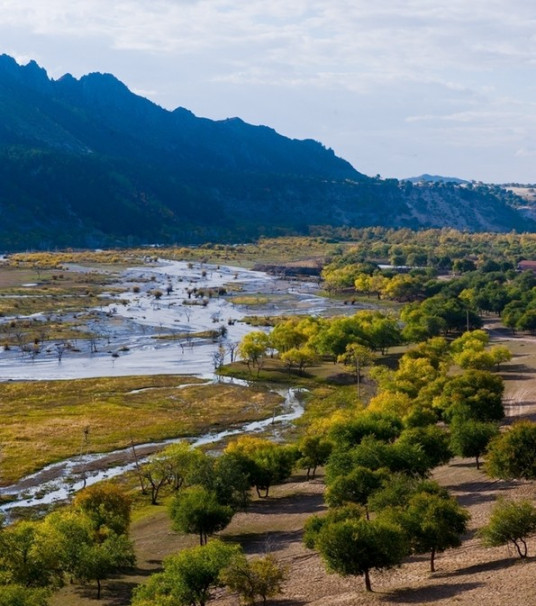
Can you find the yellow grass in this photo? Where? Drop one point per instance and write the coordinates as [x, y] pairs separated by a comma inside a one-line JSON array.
[[44, 422]]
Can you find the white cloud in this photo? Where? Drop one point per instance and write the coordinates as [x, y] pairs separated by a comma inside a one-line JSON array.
[[443, 68]]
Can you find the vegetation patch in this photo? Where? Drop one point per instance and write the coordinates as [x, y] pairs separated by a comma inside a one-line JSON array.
[[45, 422]]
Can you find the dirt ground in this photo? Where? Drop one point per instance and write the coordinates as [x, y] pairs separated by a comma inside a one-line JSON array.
[[469, 575]]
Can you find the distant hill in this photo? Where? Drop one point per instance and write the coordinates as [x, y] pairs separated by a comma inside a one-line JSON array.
[[88, 163], [426, 178]]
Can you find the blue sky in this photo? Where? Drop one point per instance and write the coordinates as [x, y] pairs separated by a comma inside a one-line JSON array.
[[397, 87]]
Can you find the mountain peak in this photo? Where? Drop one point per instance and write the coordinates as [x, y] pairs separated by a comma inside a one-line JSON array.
[[87, 162], [30, 75]]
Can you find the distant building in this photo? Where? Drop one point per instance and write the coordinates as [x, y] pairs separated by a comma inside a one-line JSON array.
[[527, 266]]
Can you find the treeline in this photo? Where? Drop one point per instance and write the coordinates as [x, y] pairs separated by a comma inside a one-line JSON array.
[[482, 277]]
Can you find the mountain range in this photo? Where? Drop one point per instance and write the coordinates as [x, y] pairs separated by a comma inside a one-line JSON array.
[[86, 162]]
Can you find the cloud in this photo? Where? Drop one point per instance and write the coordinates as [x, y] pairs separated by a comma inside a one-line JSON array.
[[450, 69]]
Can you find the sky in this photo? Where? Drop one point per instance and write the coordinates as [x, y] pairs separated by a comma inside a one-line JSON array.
[[396, 87]]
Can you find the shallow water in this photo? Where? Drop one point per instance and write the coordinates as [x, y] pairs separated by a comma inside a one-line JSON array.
[[127, 346], [128, 343]]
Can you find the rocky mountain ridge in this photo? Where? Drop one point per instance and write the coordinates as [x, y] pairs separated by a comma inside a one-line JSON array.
[[86, 162]]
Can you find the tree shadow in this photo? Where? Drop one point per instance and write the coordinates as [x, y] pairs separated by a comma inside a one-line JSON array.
[[430, 593], [472, 493], [266, 542], [476, 568], [291, 504], [116, 590], [516, 368]]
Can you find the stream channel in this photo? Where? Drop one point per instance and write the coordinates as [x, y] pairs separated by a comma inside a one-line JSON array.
[[128, 344]]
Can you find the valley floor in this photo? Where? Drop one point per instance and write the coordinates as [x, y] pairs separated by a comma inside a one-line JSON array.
[[469, 575]]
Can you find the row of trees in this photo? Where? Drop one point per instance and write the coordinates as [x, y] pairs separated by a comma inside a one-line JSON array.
[[190, 576], [443, 249], [302, 341]]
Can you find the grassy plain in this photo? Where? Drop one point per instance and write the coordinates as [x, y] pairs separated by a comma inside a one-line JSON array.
[[45, 421]]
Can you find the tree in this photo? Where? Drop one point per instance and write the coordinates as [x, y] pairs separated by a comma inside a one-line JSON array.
[[269, 463], [384, 426], [510, 522], [105, 505], [434, 523], [471, 438], [188, 577], [398, 488], [253, 348], [475, 394], [69, 531], [98, 560], [16, 595], [251, 578], [433, 440], [512, 455], [29, 557], [357, 356], [355, 547], [355, 487], [300, 357], [157, 473], [287, 335], [197, 510], [232, 480], [314, 450]]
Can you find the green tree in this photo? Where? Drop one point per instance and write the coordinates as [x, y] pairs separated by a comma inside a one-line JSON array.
[[314, 450], [188, 577], [475, 394], [105, 505], [288, 335], [251, 578], [357, 356], [269, 463], [433, 440], [69, 531], [197, 510], [299, 357], [157, 473], [355, 547], [510, 522], [98, 560], [253, 347], [512, 455], [354, 487], [471, 438], [232, 480], [16, 595], [434, 523], [350, 432], [29, 557]]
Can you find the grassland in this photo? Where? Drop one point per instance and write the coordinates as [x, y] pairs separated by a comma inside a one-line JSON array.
[[44, 422]]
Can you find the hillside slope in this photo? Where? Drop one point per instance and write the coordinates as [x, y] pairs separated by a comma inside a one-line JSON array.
[[88, 163]]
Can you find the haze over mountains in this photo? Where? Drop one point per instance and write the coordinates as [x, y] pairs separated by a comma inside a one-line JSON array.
[[88, 163]]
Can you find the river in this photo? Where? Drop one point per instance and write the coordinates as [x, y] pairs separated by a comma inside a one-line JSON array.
[[129, 344]]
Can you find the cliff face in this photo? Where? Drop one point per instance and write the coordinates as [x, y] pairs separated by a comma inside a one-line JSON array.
[[88, 163]]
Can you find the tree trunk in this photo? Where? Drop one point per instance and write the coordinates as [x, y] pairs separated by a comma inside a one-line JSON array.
[[432, 560], [521, 549], [368, 586], [477, 461], [98, 589]]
